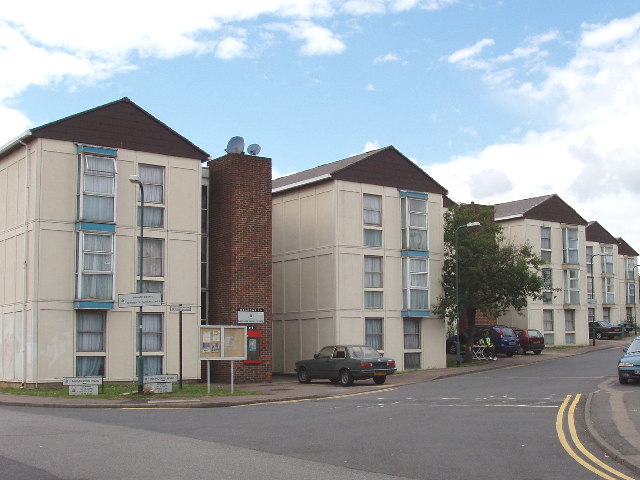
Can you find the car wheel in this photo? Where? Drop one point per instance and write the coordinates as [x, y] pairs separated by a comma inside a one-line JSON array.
[[380, 380], [346, 379], [303, 375], [599, 335], [537, 352], [623, 380]]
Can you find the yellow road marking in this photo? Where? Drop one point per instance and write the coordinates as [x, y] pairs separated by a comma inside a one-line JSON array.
[[298, 400], [574, 436]]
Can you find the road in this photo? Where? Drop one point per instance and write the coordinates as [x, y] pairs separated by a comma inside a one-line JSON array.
[[506, 423]]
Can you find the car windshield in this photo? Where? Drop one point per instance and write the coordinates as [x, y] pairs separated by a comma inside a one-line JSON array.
[[634, 347], [605, 324], [507, 332], [363, 352], [535, 333]]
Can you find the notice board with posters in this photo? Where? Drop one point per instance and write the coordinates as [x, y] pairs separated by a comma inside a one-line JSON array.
[[223, 342]]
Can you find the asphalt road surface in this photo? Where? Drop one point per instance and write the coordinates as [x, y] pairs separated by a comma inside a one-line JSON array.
[[499, 424]]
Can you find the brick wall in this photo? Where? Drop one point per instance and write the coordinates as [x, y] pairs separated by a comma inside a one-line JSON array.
[[240, 254]]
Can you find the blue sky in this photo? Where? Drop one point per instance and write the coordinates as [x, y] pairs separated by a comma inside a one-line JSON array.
[[497, 100]]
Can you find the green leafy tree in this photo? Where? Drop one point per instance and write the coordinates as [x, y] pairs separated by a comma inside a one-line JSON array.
[[494, 275]]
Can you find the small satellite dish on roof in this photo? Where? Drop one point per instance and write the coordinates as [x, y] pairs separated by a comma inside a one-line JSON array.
[[235, 145], [253, 149]]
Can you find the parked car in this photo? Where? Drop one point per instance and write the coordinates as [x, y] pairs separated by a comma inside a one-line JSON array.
[[346, 363], [628, 326], [603, 329], [503, 337], [531, 340], [629, 363]]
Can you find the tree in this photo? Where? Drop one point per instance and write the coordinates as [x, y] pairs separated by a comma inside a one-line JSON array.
[[494, 275]]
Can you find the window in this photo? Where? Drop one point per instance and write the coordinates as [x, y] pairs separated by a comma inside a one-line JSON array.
[[151, 286], [570, 338], [546, 256], [152, 179], [570, 245], [606, 256], [545, 238], [411, 360], [204, 205], [549, 339], [414, 223], [589, 260], [372, 279], [152, 342], [95, 266], [547, 297], [152, 264], [547, 316], [571, 287], [547, 284], [98, 186], [90, 338], [631, 293], [606, 314], [373, 333], [411, 333], [372, 209], [591, 315], [570, 320], [372, 238], [590, 296], [415, 283], [608, 290], [630, 314], [629, 268]]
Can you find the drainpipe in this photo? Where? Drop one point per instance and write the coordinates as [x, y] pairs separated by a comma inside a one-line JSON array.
[[25, 264]]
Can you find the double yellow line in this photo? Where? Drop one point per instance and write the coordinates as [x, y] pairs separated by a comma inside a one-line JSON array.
[[591, 463]]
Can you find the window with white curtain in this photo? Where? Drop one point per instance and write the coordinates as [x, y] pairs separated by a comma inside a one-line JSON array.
[[372, 209], [151, 332], [545, 238], [98, 186], [608, 290], [571, 287], [414, 223], [95, 266], [373, 333], [152, 178], [570, 320], [411, 327], [372, 238], [152, 257], [90, 334], [589, 259], [415, 283], [629, 268], [547, 318], [606, 257], [372, 280], [570, 245], [152, 365], [631, 293]]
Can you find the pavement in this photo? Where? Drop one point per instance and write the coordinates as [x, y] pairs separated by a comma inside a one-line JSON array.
[[612, 413]]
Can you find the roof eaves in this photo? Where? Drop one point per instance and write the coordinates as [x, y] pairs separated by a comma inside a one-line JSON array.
[[301, 183], [12, 144], [509, 217]]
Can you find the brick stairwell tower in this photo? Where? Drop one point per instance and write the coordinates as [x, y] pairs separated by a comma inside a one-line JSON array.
[[240, 255]]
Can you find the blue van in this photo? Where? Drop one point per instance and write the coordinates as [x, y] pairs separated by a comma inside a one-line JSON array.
[[503, 337]]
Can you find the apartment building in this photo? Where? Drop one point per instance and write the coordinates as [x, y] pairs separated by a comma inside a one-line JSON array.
[[628, 282], [558, 233], [357, 259], [69, 237], [604, 293]]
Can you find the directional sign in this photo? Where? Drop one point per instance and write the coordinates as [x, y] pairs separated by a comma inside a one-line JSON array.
[[161, 387], [139, 299], [180, 308], [83, 389], [160, 378], [82, 381]]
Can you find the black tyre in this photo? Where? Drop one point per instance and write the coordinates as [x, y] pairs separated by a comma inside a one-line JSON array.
[[303, 375], [537, 352], [346, 379], [380, 380], [623, 380]]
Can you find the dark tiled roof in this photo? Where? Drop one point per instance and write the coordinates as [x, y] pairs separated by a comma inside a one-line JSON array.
[[597, 233], [625, 249], [384, 166], [550, 208], [120, 124]]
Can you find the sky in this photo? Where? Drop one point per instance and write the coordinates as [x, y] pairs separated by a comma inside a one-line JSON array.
[[496, 100]]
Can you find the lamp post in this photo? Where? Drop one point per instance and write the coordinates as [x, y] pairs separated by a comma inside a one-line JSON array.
[[455, 241], [139, 363], [593, 292], [635, 298]]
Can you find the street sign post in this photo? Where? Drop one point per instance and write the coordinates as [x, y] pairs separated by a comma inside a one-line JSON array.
[[180, 308], [139, 299]]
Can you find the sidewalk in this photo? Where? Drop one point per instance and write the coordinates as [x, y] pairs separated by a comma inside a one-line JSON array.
[[611, 416]]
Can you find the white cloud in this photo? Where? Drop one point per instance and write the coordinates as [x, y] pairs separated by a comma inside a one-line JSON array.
[[230, 48], [588, 154], [466, 56], [370, 87], [389, 57], [318, 40], [371, 145]]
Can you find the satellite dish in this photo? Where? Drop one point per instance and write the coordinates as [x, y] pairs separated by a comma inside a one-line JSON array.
[[253, 149], [235, 145]]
